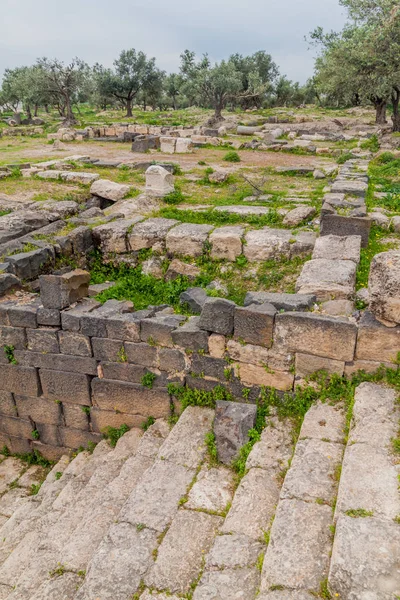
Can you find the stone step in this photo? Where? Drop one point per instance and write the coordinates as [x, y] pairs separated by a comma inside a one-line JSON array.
[[366, 550], [232, 567], [38, 552], [297, 557], [150, 531]]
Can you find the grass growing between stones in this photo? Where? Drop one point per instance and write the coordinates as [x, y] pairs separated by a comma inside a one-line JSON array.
[[211, 217], [375, 246], [113, 434]]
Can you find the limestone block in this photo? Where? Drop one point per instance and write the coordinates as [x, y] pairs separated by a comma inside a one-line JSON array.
[[226, 243], [255, 375], [183, 145], [168, 144], [376, 342], [384, 287], [109, 190], [298, 215], [327, 279], [113, 237], [333, 247], [159, 182], [212, 491], [149, 232], [267, 243], [187, 239], [306, 364]]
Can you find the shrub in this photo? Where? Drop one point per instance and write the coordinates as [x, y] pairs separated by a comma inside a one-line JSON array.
[[232, 156], [175, 197]]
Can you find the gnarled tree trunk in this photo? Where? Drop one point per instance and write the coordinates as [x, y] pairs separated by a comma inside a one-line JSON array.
[[396, 114], [380, 108]]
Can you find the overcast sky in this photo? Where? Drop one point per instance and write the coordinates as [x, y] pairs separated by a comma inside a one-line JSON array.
[[97, 30]]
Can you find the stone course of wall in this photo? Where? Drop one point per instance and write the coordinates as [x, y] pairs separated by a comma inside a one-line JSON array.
[[74, 371]]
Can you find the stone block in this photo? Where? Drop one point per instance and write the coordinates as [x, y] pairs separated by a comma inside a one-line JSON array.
[[266, 243], [108, 350], [130, 398], [210, 367], [149, 232], [16, 427], [42, 340], [168, 144], [19, 380], [257, 355], [23, 315], [74, 343], [324, 422], [8, 282], [28, 265], [158, 330], [296, 216], [212, 491], [195, 298], [227, 584], [187, 239], [109, 190], [341, 226], [102, 419], [217, 345], [60, 291], [7, 404], [184, 146], [70, 319], [311, 334], [232, 423], [226, 243], [159, 182], [75, 438], [142, 354], [327, 279], [75, 416], [333, 247], [50, 317], [123, 372], [376, 342], [287, 302], [113, 237], [57, 362], [81, 239], [353, 188], [62, 386], [48, 433], [254, 324], [13, 336], [217, 316], [190, 336], [250, 374], [171, 360], [307, 364], [384, 287], [178, 268]]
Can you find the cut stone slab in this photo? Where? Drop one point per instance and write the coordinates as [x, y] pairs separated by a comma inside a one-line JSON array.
[[159, 182], [275, 448], [339, 225], [226, 243], [64, 587], [327, 279], [177, 268], [384, 287], [229, 584], [232, 423], [150, 232], [337, 308], [298, 215], [287, 302], [354, 188], [180, 555], [233, 552], [286, 595], [333, 247], [306, 364], [236, 209], [217, 316], [113, 237], [60, 291], [324, 422], [267, 243], [298, 552], [119, 564], [187, 239], [365, 559], [109, 190], [375, 341], [195, 298], [190, 336], [253, 505], [213, 490], [312, 471]]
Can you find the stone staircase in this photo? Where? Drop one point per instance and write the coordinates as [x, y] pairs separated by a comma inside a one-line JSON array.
[[154, 518]]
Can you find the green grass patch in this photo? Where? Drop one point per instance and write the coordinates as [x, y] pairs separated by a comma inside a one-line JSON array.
[[375, 246], [232, 156], [212, 217], [113, 434]]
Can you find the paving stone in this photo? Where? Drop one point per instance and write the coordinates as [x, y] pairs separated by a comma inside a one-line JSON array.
[[229, 584], [116, 570], [64, 587], [306, 364], [180, 555], [324, 422], [226, 243], [187, 239], [154, 502], [372, 571], [275, 448], [286, 595], [312, 472], [254, 324], [287, 302], [309, 333], [354, 188], [212, 491], [298, 552], [333, 247], [384, 287], [233, 552], [152, 595], [217, 316], [232, 423], [150, 232], [186, 443], [253, 505], [267, 243], [327, 279]]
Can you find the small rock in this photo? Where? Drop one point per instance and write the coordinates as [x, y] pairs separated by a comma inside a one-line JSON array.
[[319, 174], [177, 268], [298, 215], [233, 420], [195, 298]]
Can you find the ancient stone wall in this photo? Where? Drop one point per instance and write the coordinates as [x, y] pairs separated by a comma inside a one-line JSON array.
[[68, 373]]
